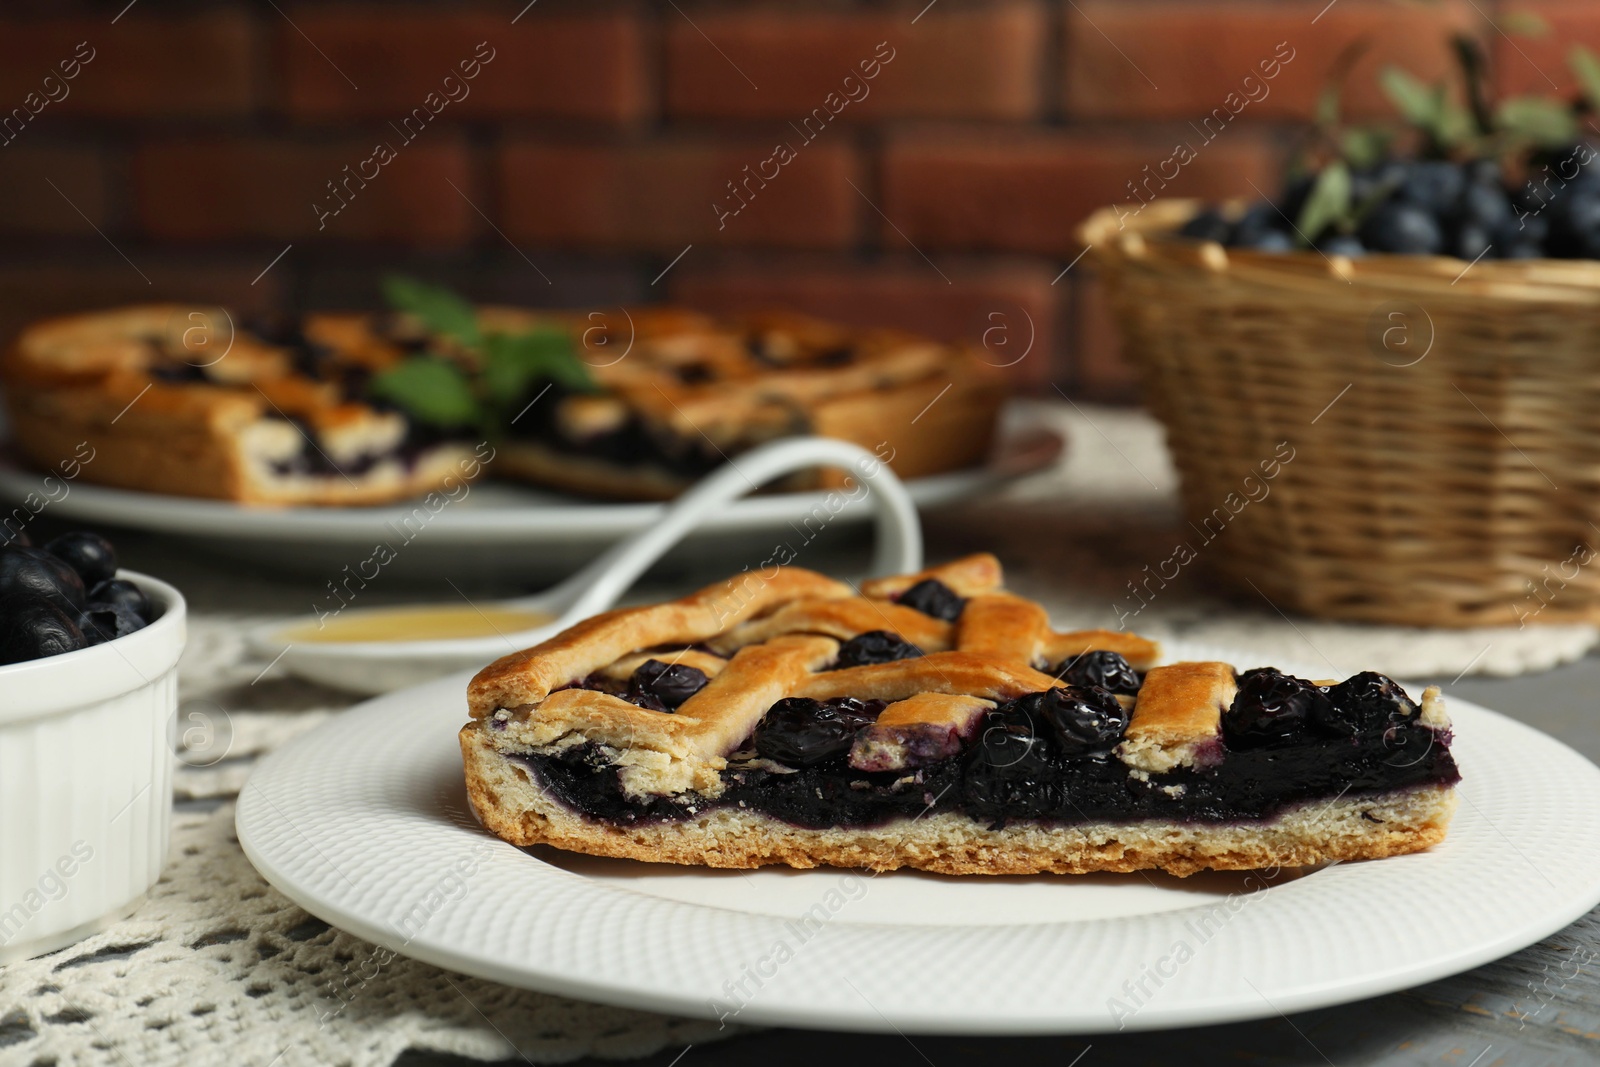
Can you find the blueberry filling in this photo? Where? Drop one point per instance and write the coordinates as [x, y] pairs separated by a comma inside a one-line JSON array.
[[802, 732], [1104, 670], [1048, 757], [1271, 707], [664, 686], [313, 461], [932, 597], [875, 646], [633, 443], [310, 358], [1362, 704], [1083, 719]]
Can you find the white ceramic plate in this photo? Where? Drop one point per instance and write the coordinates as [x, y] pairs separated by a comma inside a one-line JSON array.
[[364, 823], [496, 527]]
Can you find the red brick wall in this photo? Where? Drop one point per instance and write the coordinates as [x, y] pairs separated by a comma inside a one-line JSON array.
[[598, 141]]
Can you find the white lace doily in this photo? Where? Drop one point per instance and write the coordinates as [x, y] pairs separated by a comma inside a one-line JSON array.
[[216, 967]]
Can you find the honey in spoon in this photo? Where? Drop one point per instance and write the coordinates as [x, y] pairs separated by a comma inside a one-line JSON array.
[[441, 623]]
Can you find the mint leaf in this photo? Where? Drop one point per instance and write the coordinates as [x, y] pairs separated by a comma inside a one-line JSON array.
[[1538, 119], [1364, 146], [1429, 108], [1586, 68], [512, 362], [1524, 23], [430, 390], [1417, 103], [1328, 202], [440, 310]]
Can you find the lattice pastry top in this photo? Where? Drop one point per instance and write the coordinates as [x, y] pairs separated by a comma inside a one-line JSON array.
[[941, 647]]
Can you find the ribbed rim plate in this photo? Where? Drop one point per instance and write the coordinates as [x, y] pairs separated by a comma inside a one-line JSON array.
[[364, 823]]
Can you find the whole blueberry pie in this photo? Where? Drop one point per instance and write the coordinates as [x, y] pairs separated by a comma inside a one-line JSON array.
[[359, 408], [936, 721]]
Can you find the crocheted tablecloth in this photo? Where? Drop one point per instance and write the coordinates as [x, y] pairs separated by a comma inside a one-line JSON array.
[[219, 968]]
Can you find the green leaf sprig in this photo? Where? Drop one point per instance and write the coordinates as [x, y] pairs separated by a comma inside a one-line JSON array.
[[1453, 122], [476, 378]]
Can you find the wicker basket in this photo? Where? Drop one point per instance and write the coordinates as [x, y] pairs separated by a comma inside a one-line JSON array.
[[1444, 425]]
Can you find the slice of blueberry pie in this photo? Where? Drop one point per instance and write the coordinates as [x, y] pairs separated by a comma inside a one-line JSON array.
[[169, 399], [936, 721], [358, 408]]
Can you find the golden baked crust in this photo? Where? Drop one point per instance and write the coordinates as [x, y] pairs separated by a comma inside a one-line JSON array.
[[1178, 716]]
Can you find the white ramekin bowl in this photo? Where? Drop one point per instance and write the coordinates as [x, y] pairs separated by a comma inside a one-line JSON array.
[[86, 780]]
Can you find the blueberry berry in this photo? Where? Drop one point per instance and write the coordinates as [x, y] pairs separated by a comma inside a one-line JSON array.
[[1342, 244], [667, 684], [1432, 185], [1208, 225], [1402, 228], [123, 593], [34, 627], [1255, 225], [803, 732], [38, 573], [1083, 719], [87, 553], [1575, 224], [1108, 670], [107, 622], [1267, 241], [875, 646], [1439, 207], [1270, 707], [932, 597], [1366, 703], [865, 710], [1486, 205], [1470, 240]]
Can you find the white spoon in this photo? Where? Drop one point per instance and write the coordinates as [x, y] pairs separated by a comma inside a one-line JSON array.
[[380, 666]]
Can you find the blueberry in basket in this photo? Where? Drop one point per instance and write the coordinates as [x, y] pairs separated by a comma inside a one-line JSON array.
[[1463, 173], [64, 597]]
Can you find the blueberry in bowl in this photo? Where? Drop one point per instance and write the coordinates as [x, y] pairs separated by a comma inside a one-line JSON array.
[[89, 673], [32, 627], [65, 597]]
